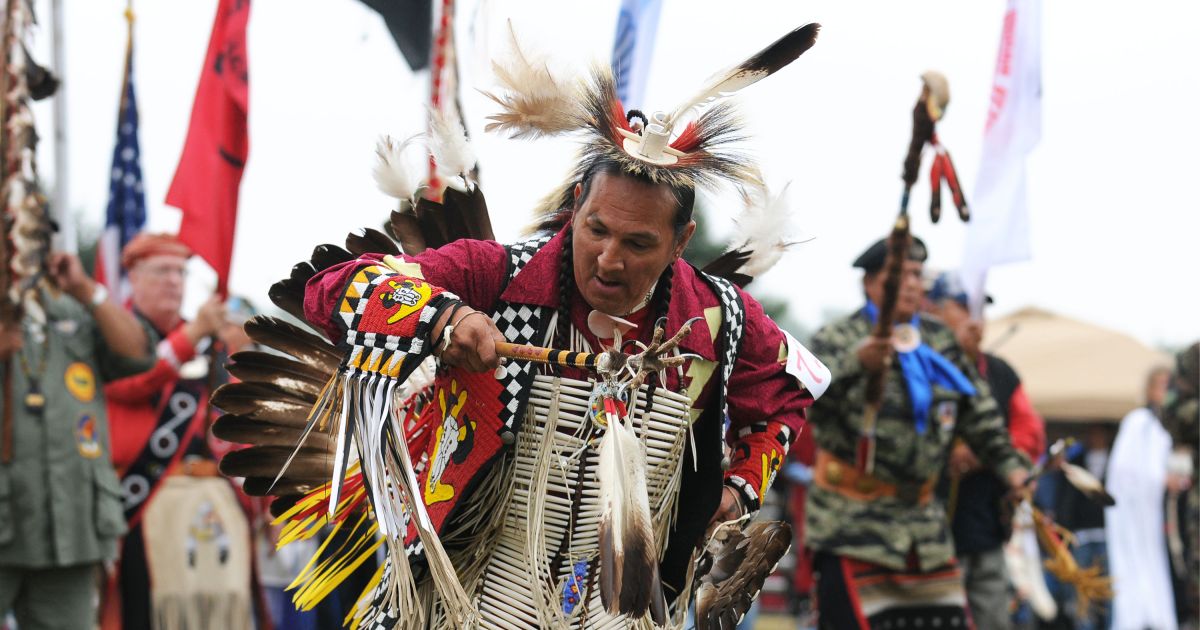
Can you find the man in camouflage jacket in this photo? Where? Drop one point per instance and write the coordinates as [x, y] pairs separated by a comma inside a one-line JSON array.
[[884, 552]]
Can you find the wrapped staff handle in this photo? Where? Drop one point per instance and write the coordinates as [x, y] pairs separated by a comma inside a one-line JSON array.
[[548, 356], [653, 358]]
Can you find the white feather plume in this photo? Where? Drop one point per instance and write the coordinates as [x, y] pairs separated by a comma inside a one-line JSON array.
[[392, 175], [533, 102], [449, 146], [763, 229]]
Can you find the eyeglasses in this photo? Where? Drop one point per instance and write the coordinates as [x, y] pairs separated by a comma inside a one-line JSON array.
[[162, 271]]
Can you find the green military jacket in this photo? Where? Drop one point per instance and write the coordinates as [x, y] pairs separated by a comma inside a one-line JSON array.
[[60, 500], [884, 530]]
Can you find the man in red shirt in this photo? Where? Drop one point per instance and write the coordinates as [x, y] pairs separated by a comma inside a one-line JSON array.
[[159, 417]]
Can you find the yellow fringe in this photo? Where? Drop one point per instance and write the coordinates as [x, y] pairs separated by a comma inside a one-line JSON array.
[[355, 616], [314, 583]]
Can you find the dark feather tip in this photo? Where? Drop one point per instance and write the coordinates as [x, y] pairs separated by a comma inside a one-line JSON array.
[[371, 241], [328, 255], [785, 50]]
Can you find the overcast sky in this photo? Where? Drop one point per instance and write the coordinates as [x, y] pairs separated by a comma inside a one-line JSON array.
[[1112, 189]]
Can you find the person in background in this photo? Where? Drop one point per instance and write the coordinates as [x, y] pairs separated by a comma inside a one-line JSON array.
[[883, 554], [1085, 519], [1137, 548], [976, 498], [60, 503], [799, 474], [1181, 415], [187, 551]]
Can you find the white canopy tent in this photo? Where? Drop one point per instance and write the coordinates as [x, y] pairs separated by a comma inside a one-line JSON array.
[[1073, 370]]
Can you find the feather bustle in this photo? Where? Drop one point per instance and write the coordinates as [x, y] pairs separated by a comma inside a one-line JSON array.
[[242, 430], [371, 241], [288, 294], [262, 401], [406, 229], [299, 379], [266, 461], [327, 255], [292, 340]]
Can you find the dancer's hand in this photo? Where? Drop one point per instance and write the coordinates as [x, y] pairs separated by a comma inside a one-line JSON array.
[[470, 341]]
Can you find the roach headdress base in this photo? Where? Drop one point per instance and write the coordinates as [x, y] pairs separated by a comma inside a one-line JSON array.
[[666, 147]]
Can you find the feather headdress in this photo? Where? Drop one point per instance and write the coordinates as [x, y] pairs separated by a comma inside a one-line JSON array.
[[662, 148]]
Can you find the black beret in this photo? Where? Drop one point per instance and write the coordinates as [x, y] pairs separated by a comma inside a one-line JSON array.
[[872, 260]]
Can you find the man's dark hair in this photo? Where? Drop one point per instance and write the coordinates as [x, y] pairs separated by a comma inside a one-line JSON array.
[[685, 197]]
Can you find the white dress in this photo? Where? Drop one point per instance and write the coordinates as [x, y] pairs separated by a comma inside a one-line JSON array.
[[1137, 547]]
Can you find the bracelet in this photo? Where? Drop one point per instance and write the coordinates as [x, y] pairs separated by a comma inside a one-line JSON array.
[[99, 296], [468, 315], [448, 329]]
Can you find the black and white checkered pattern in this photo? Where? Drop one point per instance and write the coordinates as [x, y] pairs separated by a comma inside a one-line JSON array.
[[520, 323], [733, 327]]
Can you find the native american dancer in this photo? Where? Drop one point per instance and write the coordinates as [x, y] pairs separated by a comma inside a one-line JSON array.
[[560, 488]]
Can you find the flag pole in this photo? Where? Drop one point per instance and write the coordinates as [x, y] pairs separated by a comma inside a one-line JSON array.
[[66, 240]]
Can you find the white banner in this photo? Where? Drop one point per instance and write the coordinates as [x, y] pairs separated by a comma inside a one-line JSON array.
[[633, 48], [999, 227]]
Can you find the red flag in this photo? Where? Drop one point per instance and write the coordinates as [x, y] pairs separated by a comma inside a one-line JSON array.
[[210, 170]]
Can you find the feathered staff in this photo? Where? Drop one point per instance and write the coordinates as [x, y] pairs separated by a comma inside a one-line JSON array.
[[26, 222], [27, 226], [931, 105]]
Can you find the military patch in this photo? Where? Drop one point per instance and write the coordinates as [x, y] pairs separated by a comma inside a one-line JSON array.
[[80, 381], [85, 437], [947, 414]]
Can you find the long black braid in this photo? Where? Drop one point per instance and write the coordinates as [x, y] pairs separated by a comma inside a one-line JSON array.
[[566, 283]]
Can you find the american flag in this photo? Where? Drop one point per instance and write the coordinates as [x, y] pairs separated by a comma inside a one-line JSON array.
[[126, 215]]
